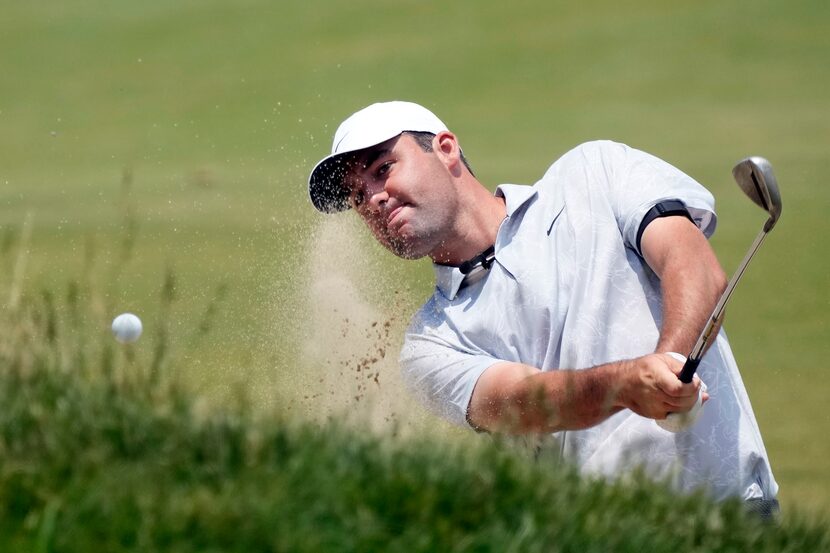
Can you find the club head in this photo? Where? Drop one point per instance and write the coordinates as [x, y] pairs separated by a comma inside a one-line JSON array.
[[754, 176]]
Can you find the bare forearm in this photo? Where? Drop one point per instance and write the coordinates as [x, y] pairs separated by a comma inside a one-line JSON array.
[[571, 400], [550, 401], [518, 399]]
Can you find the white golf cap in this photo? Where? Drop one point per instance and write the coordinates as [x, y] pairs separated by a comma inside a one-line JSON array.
[[368, 127]]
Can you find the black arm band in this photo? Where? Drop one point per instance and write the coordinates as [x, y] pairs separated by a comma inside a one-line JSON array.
[[665, 208]]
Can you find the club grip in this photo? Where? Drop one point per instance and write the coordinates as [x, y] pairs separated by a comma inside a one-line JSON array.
[[688, 371]]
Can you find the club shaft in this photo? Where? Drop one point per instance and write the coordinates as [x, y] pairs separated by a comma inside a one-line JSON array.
[[717, 314]]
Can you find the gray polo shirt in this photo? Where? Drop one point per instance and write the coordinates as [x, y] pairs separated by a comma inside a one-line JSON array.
[[569, 290]]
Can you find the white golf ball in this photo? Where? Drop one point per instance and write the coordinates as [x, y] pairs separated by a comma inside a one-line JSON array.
[[126, 328]]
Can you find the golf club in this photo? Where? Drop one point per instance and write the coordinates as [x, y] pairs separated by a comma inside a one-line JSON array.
[[754, 176]]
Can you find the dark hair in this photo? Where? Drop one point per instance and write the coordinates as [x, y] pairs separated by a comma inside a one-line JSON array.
[[424, 140]]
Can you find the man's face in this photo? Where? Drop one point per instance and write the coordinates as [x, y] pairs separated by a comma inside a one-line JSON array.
[[405, 195]]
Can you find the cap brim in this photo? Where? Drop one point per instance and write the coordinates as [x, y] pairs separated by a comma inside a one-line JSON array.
[[325, 185]]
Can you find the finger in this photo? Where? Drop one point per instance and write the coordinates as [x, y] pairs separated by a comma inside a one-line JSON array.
[[668, 382], [674, 364], [679, 404], [686, 403], [667, 409], [674, 388], [675, 367]]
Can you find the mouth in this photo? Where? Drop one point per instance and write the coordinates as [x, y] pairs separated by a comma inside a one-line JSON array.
[[394, 217]]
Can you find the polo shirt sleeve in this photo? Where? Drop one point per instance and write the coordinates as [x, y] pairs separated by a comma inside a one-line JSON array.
[[439, 370], [637, 181]]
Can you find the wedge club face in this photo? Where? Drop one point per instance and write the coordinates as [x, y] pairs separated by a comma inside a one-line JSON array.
[[755, 177]]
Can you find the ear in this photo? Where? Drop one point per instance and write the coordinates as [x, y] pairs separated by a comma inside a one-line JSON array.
[[445, 145]]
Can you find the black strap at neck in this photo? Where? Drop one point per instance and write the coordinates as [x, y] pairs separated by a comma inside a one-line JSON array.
[[483, 260]]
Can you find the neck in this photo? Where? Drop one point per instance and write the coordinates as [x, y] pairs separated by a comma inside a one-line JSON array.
[[475, 230]]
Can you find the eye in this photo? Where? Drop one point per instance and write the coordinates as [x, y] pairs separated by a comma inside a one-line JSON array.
[[383, 168]]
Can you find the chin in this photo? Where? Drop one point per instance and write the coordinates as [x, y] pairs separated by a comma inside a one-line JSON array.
[[404, 250], [410, 255]]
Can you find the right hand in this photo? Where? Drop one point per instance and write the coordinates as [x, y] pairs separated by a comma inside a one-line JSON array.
[[650, 387]]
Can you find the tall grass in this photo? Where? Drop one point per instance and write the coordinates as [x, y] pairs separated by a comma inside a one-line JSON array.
[[101, 449]]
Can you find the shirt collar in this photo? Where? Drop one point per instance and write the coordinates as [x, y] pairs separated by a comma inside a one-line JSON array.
[[515, 196], [449, 279]]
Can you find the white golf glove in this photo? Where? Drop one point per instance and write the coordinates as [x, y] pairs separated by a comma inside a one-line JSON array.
[[677, 422]]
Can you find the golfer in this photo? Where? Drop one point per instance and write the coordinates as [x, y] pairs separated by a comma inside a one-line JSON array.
[[556, 304]]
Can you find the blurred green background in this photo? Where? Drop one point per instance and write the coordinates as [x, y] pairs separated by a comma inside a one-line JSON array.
[[142, 138]]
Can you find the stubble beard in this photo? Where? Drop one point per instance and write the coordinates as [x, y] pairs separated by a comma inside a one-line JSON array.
[[406, 247], [429, 225], [421, 239]]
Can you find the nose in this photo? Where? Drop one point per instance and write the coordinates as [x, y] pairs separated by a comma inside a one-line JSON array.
[[377, 196]]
